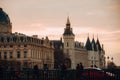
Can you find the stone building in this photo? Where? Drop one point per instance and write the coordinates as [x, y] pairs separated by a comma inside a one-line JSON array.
[[96, 53], [75, 52], [20, 50]]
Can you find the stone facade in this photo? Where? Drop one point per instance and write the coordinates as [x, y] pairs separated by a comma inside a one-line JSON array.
[[96, 53], [73, 50], [90, 54], [22, 51]]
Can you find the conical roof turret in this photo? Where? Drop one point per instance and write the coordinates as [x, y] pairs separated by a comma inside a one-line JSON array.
[[93, 45], [88, 45], [98, 44]]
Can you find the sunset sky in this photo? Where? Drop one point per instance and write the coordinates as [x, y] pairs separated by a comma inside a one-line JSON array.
[[48, 18]]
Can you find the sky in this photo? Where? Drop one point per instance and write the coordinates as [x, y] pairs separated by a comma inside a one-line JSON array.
[[48, 18]]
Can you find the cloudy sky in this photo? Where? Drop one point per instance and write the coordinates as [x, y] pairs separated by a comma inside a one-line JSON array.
[[48, 18]]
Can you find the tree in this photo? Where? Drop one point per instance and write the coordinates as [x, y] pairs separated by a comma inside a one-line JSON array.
[[111, 65]]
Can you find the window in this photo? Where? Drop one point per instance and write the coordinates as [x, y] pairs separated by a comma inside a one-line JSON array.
[[11, 55], [92, 57], [92, 62], [25, 54], [18, 54], [67, 44], [25, 45], [5, 55], [11, 46]]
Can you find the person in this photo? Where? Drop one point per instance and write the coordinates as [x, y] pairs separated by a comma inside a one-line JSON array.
[[78, 72], [81, 70], [36, 71], [63, 71]]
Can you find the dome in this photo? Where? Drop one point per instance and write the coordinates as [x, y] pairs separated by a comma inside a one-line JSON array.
[[5, 24], [4, 19]]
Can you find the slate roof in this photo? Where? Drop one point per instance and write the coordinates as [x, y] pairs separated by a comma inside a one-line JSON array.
[[98, 44], [68, 29], [88, 45], [93, 45], [4, 19], [56, 43]]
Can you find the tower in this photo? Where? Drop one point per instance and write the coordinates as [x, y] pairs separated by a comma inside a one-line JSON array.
[[68, 39]]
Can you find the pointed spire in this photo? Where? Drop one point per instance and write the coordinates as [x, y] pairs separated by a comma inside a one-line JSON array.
[[98, 43], [68, 21], [88, 45], [93, 44], [68, 29]]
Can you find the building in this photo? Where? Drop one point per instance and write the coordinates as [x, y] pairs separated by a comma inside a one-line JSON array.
[[96, 53], [20, 50], [75, 52]]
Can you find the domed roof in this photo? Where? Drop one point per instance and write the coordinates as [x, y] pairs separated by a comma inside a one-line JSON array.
[[4, 19]]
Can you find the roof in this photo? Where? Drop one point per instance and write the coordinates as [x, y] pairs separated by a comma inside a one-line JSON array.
[[68, 29], [94, 45], [4, 18], [98, 45], [56, 42], [88, 45], [18, 38]]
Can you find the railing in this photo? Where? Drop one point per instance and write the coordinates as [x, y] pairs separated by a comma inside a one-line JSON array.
[[49, 75], [114, 72]]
